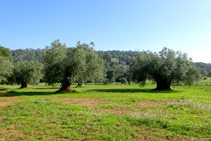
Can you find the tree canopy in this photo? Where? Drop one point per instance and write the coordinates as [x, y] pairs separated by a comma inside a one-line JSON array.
[[5, 63], [70, 65], [25, 72], [124, 59], [165, 68]]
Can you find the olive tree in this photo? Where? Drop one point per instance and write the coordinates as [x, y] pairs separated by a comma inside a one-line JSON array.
[[5, 63], [165, 68], [67, 65], [25, 73], [93, 69]]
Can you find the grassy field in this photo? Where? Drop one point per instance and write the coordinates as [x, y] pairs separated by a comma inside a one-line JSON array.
[[106, 112]]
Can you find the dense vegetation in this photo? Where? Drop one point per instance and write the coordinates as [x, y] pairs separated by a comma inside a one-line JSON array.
[[124, 59], [25, 73], [165, 68], [5, 63], [66, 66], [205, 69], [82, 64]]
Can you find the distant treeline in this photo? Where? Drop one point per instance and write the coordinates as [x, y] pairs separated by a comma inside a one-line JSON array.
[[115, 61], [205, 68]]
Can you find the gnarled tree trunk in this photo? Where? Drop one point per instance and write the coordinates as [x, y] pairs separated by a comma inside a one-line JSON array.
[[23, 84], [65, 86], [163, 85]]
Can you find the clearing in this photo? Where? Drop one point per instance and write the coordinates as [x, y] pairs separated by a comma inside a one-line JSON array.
[[105, 112]]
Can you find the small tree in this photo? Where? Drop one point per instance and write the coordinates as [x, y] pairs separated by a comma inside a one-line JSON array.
[[110, 76], [5, 64], [124, 80], [25, 73], [165, 68]]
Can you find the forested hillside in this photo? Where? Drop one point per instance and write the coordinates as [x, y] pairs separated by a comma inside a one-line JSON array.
[[116, 62], [27, 54], [204, 68]]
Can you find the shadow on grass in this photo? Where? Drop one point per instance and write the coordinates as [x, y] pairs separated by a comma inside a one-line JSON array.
[[2, 89], [47, 88], [26, 93], [6, 95], [134, 90]]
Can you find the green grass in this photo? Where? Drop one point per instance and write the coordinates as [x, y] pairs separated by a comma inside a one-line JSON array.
[[123, 112]]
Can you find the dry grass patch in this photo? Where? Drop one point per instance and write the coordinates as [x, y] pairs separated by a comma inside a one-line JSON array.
[[156, 103], [146, 103], [4, 101], [139, 107], [149, 137], [118, 111], [79, 101]]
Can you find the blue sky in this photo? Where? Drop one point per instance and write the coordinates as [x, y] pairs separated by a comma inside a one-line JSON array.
[[182, 25]]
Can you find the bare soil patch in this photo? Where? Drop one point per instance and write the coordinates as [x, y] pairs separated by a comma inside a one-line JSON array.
[[150, 137], [79, 101], [156, 103], [119, 111], [146, 103], [139, 107], [4, 101]]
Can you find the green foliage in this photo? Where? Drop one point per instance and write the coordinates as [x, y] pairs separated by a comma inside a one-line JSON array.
[[27, 54], [5, 64], [124, 57], [124, 80], [205, 69], [106, 81], [93, 65], [26, 73], [165, 68], [70, 65], [54, 62], [4, 52], [110, 76]]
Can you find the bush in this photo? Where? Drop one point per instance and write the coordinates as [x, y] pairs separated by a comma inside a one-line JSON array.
[[124, 80], [106, 81]]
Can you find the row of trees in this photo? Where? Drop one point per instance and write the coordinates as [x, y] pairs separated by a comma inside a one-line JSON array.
[[81, 64], [61, 65], [119, 68], [22, 72]]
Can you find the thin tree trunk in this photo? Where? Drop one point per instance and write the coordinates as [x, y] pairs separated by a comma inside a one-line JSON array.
[[129, 81], [128, 78]]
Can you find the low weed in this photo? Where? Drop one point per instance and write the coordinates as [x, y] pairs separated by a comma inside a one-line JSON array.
[[43, 114]]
